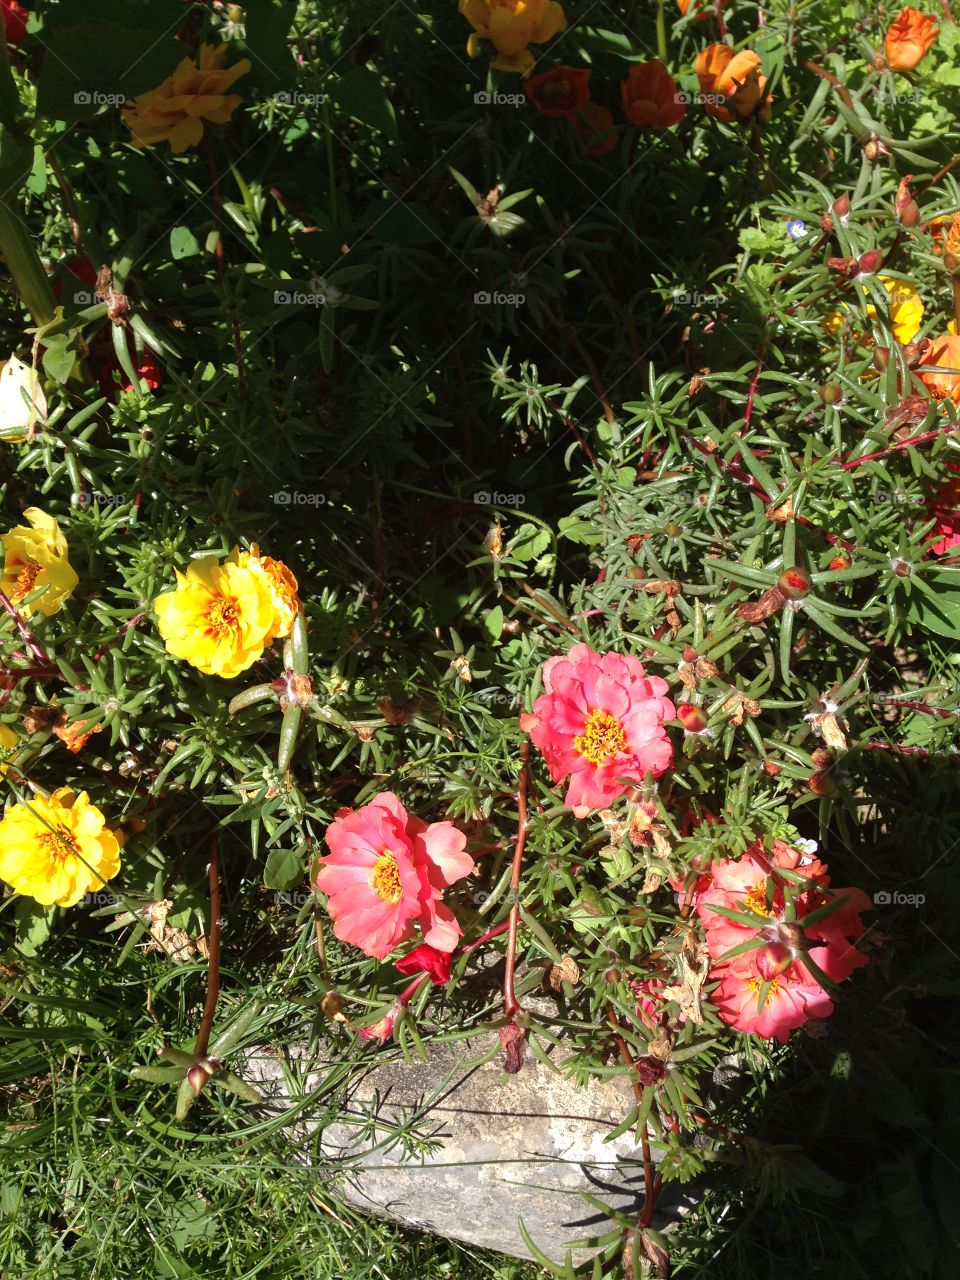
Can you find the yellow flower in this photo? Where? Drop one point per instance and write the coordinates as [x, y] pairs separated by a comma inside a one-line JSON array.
[[17, 419], [36, 558], [174, 112], [220, 617], [8, 741], [510, 25], [905, 313], [281, 584], [57, 848]]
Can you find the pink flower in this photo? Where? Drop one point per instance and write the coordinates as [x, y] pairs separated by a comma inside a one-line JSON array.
[[427, 959], [756, 882], [385, 873], [382, 1029], [793, 998], [600, 722]]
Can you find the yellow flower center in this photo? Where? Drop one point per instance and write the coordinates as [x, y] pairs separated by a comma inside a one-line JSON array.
[[756, 983], [222, 616], [385, 879], [602, 737], [58, 844], [26, 578], [756, 899]]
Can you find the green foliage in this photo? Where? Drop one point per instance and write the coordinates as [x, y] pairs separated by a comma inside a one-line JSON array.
[[487, 394]]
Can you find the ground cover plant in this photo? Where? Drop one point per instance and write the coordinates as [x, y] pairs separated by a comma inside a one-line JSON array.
[[479, 491]]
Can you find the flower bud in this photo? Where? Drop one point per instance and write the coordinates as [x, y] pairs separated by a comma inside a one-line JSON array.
[[332, 1004], [908, 211], [838, 563], [794, 583], [821, 783], [691, 717], [791, 935], [881, 358], [831, 393], [672, 529], [769, 767], [870, 262], [689, 653], [841, 206], [901, 568], [772, 960], [613, 976]]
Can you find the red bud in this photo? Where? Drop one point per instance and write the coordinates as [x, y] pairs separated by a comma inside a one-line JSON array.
[[870, 262], [689, 654], [794, 583], [838, 563], [841, 206], [821, 784], [881, 358], [692, 718], [831, 393]]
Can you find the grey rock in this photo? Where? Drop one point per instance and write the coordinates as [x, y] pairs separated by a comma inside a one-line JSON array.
[[455, 1146]]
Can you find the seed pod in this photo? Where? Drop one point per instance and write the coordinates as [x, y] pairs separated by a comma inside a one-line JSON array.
[[831, 393]]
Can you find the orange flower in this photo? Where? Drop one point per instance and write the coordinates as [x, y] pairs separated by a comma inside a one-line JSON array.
[[75, 736], [908, 38], [651, 99], [710, 63], [743, 83], [591, 121], [945, 354], [560, 92], [951, 246], [701, 8]]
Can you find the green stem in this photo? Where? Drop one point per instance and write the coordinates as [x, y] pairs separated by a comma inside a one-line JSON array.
[[661, 32]]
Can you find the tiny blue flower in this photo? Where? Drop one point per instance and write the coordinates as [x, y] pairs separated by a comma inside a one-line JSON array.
[[796, 228]]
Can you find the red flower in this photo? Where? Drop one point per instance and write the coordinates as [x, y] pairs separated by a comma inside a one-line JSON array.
[[600, 722], [560, 92], [792, 999], [385, 873], [945, 509], [427, 959], [14, 20], [651, 99], [766, 884]]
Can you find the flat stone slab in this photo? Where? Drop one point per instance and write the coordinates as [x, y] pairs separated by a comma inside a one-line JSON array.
[[498, 1147]]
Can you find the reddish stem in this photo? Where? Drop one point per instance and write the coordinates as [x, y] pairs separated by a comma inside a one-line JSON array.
[[511, 1006], [213, 958], [25, 635], [924, 438]]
